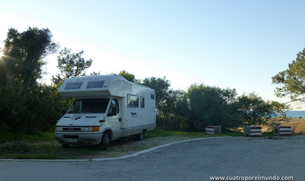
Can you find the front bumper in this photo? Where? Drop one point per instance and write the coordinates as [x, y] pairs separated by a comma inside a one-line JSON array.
[[78, 139]]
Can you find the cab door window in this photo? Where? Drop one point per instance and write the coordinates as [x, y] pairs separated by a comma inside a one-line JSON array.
[[113, 108]]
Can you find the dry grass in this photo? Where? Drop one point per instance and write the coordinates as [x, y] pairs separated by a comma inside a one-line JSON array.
[[297, 124]]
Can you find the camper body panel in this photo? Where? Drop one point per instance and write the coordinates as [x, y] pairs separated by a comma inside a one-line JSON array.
[[130, 109]]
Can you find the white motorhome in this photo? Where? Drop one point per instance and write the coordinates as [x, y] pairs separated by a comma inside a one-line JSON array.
[[106, 108]]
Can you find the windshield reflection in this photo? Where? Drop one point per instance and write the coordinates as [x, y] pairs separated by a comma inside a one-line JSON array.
[[89, 106]]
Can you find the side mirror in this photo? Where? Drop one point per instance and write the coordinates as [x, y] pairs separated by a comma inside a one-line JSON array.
[[63, 111]]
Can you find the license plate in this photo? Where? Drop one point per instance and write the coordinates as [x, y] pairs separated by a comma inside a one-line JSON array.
[[71, 140]]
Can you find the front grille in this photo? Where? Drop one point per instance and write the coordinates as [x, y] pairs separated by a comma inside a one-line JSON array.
[[71, 129]]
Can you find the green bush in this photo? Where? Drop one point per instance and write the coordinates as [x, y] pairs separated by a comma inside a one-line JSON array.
[[26, 110], [172, 122]]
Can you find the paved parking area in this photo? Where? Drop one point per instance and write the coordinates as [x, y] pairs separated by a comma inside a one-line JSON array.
[[192, 160]]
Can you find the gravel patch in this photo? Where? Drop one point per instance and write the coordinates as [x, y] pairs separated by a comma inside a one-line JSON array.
[[125, 147]]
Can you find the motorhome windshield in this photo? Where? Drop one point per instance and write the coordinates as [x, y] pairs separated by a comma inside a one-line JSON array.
[[89, 106]]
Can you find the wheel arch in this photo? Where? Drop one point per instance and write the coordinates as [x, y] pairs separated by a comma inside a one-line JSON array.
[[109, 131]]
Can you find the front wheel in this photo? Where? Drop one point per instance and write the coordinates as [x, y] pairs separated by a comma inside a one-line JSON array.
[[105, 141]]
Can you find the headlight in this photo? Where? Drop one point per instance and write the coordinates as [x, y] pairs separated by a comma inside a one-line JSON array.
[[58, 129], [88, 129]]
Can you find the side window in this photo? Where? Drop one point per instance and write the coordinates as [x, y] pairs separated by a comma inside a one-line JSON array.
[[152, 96], [142, 102], [113, 108], [132, 101]]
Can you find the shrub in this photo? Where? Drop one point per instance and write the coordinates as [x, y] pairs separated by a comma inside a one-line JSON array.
[[26, 110]]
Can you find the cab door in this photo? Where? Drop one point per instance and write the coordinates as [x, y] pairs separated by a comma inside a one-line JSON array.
[[113, 118]]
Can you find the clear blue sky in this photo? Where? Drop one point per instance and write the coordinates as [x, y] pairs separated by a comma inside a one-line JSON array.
[[237, 44]]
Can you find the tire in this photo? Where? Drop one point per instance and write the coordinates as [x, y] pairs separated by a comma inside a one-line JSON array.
[[105, 141], [141, 135], [65, 145]]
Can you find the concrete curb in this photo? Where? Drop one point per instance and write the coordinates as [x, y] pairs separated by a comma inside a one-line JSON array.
[[105, 159]]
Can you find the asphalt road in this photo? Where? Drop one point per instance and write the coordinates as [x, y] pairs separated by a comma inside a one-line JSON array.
[[193, 160]]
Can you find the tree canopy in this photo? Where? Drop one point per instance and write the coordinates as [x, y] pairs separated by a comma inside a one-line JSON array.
[[24, 53], [128, 76], [161, 87], [281, 108], [3, 73], [27, 107], [210, 106], [292, 80], [252, 109], [70, 65]]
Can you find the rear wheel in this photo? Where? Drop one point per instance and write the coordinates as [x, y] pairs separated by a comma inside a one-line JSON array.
[[141, 135], [105, 141]]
